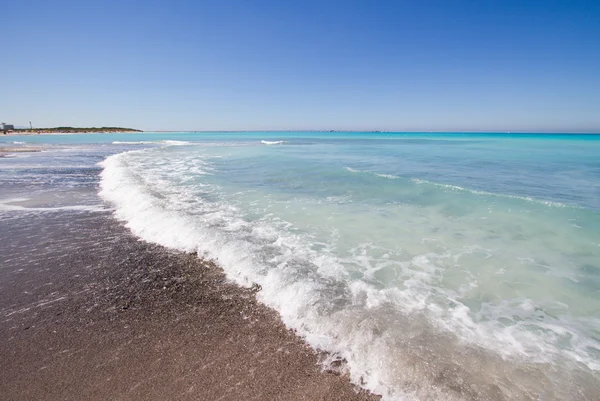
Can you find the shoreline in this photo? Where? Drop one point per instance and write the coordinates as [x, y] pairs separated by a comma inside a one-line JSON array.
[[104, 315], [5, 151], [49, 133], [516, 133]]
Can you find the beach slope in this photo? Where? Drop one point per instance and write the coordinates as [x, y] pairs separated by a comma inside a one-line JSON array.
[[90, 312]]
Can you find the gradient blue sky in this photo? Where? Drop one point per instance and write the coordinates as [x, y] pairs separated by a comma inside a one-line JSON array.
[[276, 65]]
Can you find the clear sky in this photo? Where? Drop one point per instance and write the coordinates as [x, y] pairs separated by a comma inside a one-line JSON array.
[[415, 65]]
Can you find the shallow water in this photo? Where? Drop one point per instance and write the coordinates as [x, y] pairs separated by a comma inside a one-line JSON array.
[[436, 265]]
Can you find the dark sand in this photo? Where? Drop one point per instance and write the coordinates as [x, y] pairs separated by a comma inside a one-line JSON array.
[[89, 312]]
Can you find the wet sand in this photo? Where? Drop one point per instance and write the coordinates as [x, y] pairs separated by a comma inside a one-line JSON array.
[[89, 312], [8, 150]]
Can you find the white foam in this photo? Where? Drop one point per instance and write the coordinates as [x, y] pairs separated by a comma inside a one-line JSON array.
[[296, 296], [272, 142], [389, 176], [314, 293]]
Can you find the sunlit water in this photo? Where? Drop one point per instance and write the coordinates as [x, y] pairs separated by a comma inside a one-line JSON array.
[[436, 266]]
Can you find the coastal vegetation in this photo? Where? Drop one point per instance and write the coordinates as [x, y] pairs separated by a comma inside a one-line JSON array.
[[72, 130]]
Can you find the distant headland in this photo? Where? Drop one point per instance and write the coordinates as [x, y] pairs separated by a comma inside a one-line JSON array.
[[72, 130]]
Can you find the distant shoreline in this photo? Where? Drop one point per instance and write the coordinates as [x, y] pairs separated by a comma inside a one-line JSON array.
[[35, 133], [71, 130], [370, 132]]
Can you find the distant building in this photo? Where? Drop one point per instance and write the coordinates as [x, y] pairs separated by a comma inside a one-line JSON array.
[[7, 127]]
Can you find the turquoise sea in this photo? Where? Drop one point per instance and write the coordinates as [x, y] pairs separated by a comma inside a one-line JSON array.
[[433, 266]]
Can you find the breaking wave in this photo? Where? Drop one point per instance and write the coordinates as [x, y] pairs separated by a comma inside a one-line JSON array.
[[394, 341]]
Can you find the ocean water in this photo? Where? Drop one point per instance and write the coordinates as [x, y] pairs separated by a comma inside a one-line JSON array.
[[429, 266]]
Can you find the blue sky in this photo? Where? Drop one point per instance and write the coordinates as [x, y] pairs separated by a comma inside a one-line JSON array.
[[277, 65]]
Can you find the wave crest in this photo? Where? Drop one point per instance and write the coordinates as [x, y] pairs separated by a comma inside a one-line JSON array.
[[272, 142], [485, 193]]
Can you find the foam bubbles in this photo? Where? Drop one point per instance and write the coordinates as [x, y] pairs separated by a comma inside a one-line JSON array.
[[272, 142], [411, 300], [389, 176]]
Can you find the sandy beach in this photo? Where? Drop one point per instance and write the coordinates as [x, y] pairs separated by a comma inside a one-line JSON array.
[[102, 294], [90, 312]]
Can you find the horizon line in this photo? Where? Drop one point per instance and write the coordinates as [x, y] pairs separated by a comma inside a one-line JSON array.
[[389, 131]]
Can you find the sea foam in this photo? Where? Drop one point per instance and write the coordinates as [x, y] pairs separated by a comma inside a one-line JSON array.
[[272, 142], [382, 334]]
